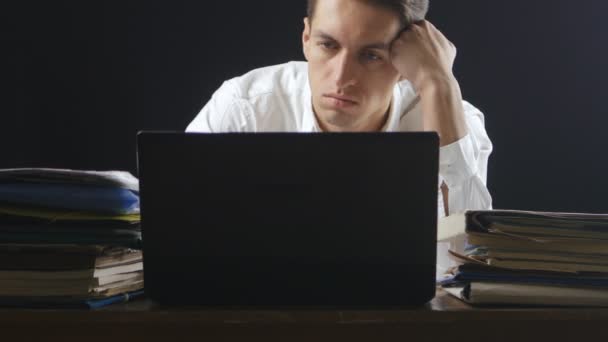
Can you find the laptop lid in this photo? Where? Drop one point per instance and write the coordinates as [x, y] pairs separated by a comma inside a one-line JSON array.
[[281, 219]]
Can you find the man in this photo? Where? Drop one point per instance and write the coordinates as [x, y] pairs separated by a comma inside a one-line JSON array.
[[372, 65]]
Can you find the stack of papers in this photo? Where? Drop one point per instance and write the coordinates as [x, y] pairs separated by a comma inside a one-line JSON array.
[[69, 237], [531, 258]]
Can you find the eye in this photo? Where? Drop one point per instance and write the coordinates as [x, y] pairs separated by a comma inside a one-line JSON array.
[[328, 45], [371, 56]]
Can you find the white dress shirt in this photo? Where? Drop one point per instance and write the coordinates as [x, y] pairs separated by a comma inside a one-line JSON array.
[[278, 99]]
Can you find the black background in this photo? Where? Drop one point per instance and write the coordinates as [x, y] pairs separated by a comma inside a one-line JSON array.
[[80, 78]]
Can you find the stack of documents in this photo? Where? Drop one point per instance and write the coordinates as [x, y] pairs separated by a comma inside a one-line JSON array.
[[69, 237], [531, 258]]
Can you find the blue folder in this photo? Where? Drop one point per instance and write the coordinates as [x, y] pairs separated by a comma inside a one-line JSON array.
[[68, 303], [99, 199], [473, 273]]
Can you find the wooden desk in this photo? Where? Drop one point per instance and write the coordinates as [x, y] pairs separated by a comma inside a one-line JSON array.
[[444, 318]]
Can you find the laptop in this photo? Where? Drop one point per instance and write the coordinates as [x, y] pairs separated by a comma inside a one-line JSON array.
[[289, 219]]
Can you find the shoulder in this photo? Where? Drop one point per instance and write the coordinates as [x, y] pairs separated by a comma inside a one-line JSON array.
[[238, 103], [277, 79]]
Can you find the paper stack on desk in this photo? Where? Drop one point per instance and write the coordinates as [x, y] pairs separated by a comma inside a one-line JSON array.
[[69, 237], [531, 258]]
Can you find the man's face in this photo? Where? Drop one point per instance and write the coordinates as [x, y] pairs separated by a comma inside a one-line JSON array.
[[347, 45]]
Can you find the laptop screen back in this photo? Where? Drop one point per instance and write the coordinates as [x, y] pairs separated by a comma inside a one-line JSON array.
[[279, 219]]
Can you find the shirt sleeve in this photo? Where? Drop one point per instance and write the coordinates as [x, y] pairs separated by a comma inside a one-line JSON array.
[[225, 112], [463, 166]]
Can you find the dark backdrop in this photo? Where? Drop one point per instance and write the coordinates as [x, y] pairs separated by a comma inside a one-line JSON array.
[[80, 78]]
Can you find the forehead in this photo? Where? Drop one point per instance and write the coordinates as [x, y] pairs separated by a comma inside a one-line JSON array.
[[355, 21]]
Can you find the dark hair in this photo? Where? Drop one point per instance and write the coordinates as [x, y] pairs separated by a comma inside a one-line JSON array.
[[409, 11]]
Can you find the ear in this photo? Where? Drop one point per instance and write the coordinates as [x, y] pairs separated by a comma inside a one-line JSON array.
[[306, 37]]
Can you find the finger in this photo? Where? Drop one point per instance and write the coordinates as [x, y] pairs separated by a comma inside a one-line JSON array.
[[429, 25], [452, 46], [397, 43], [440, 37], [405, 36], [435, 31], [414, 31], [424, 27], [449, 45], [423, 23]]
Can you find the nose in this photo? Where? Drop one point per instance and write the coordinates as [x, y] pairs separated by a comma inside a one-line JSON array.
[[345, 71]]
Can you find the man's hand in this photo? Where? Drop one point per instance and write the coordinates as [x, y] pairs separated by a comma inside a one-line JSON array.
[[422, 54], [425, 57]]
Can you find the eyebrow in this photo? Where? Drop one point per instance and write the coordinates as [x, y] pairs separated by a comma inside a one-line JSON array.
[[376, 46]]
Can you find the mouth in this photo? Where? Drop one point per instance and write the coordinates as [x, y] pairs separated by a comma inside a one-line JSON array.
[[340, 100]]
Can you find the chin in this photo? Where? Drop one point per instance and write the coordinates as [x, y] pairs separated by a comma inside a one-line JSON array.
[[340, 119]]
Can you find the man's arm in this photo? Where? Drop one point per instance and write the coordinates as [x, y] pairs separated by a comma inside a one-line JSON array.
[[425, 57], [441, 101]]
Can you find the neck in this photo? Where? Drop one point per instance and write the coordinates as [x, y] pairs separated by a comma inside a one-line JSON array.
[[374, 124]]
